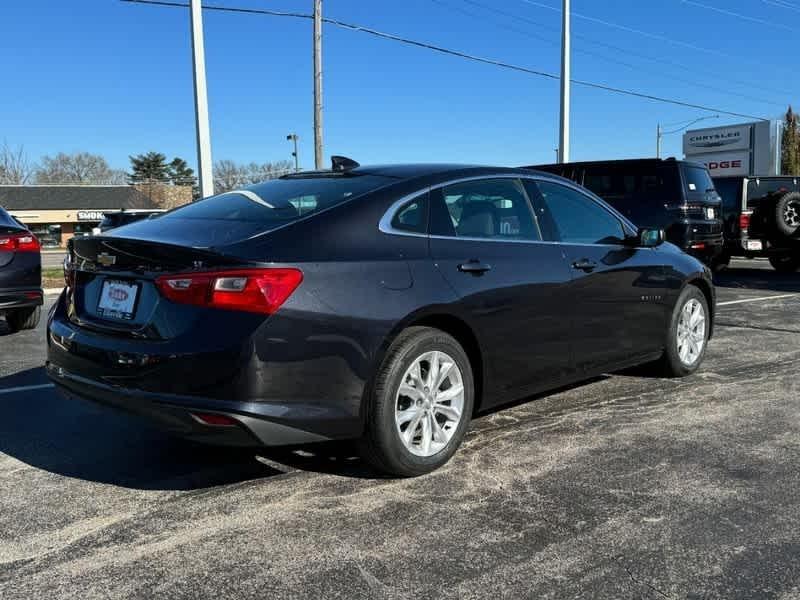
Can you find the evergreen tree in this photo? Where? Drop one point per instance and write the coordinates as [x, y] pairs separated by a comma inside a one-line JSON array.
[[180, 173], [149, 168], [790, 145]]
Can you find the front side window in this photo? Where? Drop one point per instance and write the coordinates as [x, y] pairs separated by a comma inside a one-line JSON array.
[[488, 208], [576, 218]]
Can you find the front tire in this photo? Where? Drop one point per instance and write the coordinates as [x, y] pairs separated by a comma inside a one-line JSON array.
[[786, 263], [421, 404], [687, 334], [24, 318]]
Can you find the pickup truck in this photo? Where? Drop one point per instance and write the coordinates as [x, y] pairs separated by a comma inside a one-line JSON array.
[[761, 217]]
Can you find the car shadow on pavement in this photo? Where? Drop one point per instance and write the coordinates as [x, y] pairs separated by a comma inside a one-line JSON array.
[[77, 439], [758, 279]]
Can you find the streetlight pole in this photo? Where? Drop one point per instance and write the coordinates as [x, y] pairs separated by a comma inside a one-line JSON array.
[[318, 84], [294, 137], [563, 144], [660, 133], [201, 102]]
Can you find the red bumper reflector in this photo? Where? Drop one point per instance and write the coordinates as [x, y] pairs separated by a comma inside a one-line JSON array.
[[698, 246], [215, 420]]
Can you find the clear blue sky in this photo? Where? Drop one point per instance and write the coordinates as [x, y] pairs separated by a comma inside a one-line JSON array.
[[115, 78]]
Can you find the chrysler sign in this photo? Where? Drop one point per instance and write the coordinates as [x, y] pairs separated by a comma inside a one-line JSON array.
[[716, 140]]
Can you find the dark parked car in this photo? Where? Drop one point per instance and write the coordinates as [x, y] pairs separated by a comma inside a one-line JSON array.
[[674, 195], [381, 303], [762, 218], [118, 218], [20, 274]]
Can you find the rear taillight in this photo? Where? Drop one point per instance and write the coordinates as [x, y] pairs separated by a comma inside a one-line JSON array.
[[249, 290], [744, 221], [19, 242]]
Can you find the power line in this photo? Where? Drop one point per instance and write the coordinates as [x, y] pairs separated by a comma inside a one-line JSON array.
[[464, 55], [615, 61], [781, 4], [627, 52], [730, 13], [647, 34]]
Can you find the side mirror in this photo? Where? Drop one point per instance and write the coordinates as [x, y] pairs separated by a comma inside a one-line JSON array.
[[650, 238]]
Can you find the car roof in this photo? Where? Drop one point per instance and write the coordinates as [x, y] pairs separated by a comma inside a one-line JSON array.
[[634, 162], [407, 171]]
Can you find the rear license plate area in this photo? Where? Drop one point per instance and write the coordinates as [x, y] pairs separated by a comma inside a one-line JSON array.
[[118, 300]]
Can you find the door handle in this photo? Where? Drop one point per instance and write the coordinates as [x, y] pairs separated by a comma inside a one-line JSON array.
[[474, 267], [584, 264]]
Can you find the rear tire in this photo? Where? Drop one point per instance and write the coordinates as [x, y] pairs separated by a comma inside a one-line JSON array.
[[23, 318], [786, 263], [787, 213], [417, 430], [687, 334], [720, 263]]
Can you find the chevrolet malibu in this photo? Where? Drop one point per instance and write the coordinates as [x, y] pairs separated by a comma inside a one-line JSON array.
[[387, 304]]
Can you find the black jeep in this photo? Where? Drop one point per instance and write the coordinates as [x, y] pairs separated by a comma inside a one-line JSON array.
[[762, 218]]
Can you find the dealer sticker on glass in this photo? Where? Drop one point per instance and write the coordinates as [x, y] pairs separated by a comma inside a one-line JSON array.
[[117, 300]]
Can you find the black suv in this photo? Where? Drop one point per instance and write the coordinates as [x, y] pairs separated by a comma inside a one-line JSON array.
[[674, 195], [762, 218]]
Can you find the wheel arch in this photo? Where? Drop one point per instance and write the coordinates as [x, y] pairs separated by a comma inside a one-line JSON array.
[[449, 323]]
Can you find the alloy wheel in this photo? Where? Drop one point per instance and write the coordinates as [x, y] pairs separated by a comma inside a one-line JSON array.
[[429, 404], [691, 337], [791, 214]]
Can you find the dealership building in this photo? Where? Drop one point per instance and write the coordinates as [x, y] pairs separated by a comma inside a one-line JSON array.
[[55, 213]]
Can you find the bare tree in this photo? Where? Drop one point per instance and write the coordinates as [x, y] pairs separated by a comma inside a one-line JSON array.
[[78, 168], [15, 168], [229, 175]]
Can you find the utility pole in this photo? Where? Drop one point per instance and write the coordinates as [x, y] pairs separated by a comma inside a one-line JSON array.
[[659, 135], [318, 84], [563, 144], [294, 137], [206, 177]]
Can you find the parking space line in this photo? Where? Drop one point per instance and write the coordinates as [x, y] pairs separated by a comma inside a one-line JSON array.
[[26, 388], [759, 299]]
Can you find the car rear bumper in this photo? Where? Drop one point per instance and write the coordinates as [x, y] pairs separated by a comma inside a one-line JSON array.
[[257, 423], [20, 298]]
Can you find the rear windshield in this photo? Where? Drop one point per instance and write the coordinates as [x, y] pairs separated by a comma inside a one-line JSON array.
[[280, 200], [7, 222], [697, 179]]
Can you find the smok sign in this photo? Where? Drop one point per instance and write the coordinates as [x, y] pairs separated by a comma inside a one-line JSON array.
[[726, 163], [702, 141]]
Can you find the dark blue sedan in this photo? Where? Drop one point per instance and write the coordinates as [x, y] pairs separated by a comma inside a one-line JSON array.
[[388, 304]]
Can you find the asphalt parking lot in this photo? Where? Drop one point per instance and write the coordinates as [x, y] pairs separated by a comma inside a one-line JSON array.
[[624, 487]]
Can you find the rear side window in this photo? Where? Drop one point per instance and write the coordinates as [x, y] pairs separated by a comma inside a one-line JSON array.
[[488, 208], [412, 216], [280, 200], [577, 218], [697, 179]]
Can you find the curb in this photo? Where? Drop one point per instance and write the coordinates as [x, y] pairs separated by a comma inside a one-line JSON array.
[[52, 291]]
